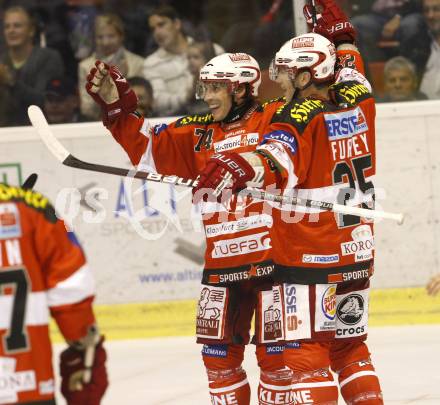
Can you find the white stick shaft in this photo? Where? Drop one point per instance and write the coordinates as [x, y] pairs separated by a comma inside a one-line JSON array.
[[325, 206], [39, 122], [366, 213], [89, 357]]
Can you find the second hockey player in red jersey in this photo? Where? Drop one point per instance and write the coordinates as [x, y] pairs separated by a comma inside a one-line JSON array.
[[238, 262], [43, 273], [322, 142]]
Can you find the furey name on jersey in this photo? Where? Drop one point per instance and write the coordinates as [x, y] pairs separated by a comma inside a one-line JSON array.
[[347, 133]]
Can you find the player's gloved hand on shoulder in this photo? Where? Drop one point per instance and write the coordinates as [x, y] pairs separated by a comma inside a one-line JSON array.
[[332, 22], [72, 369], [111, 91], [225, 170]]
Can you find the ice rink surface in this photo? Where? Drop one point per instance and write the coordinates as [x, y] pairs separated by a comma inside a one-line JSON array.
[[169, 371]]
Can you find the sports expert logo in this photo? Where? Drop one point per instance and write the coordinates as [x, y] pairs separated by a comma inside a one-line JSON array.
[[351, 309]]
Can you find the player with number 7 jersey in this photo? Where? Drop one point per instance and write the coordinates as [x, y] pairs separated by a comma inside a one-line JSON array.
[[43, 273]]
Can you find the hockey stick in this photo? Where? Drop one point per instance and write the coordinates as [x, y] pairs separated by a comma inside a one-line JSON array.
[[92, 339], [39, 122], [29, 183], [314, 18]]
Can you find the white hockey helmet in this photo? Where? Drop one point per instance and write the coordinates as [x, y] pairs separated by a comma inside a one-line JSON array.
[[232, 69], [311, 52]]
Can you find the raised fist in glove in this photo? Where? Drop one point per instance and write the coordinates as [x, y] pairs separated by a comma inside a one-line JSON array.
[[111, 91], [225, 170], [80, 384], [331, 22]]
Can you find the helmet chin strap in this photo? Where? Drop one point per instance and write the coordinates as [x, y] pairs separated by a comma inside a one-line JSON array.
[[237, 111], [297, 89]]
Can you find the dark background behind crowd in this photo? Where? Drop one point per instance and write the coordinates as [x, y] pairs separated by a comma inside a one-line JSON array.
[[48, 47]]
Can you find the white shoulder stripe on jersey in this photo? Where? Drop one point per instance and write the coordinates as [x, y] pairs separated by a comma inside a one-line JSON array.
[[348, 75], [37, 312], [146, 163], [145, 128], [279, 155], [76, 288]]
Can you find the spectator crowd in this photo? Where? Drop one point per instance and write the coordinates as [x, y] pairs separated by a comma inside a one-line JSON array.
[[48, 48]]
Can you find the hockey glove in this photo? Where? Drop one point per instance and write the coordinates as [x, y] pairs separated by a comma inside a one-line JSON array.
[[332, 22], [74, 372], [226, 170], [433, 286], [111, 91]]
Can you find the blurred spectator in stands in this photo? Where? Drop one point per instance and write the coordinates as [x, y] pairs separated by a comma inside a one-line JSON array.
[[144, 92], [243, 21], [198, 54], [400, 81], [134, 14], [355, 7], [81, 15], [433, 286], [66, 26], [109, 43], [167, 68], [61, 101], [275, 27], [25, 68], [388, 23], [424, 49]]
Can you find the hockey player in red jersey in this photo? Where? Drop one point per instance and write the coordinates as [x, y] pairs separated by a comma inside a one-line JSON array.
[[43, 273], [238, 261], [322, 141]]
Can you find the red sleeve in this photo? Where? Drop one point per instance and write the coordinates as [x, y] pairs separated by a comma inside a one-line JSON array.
[[74, 320], [69, 282], [288, 141], [127, 132], [165, 149], [173, 150], [350, 59]]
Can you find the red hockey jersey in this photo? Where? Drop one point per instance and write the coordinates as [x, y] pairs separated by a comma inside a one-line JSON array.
[[325, 151], [43, 272], [238, 244]]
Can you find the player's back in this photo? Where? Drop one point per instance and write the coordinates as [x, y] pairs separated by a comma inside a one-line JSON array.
[[35, 255], [334, 161]]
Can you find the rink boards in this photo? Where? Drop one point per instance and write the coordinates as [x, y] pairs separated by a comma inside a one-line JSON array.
[[145, 243], [398, 306]]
